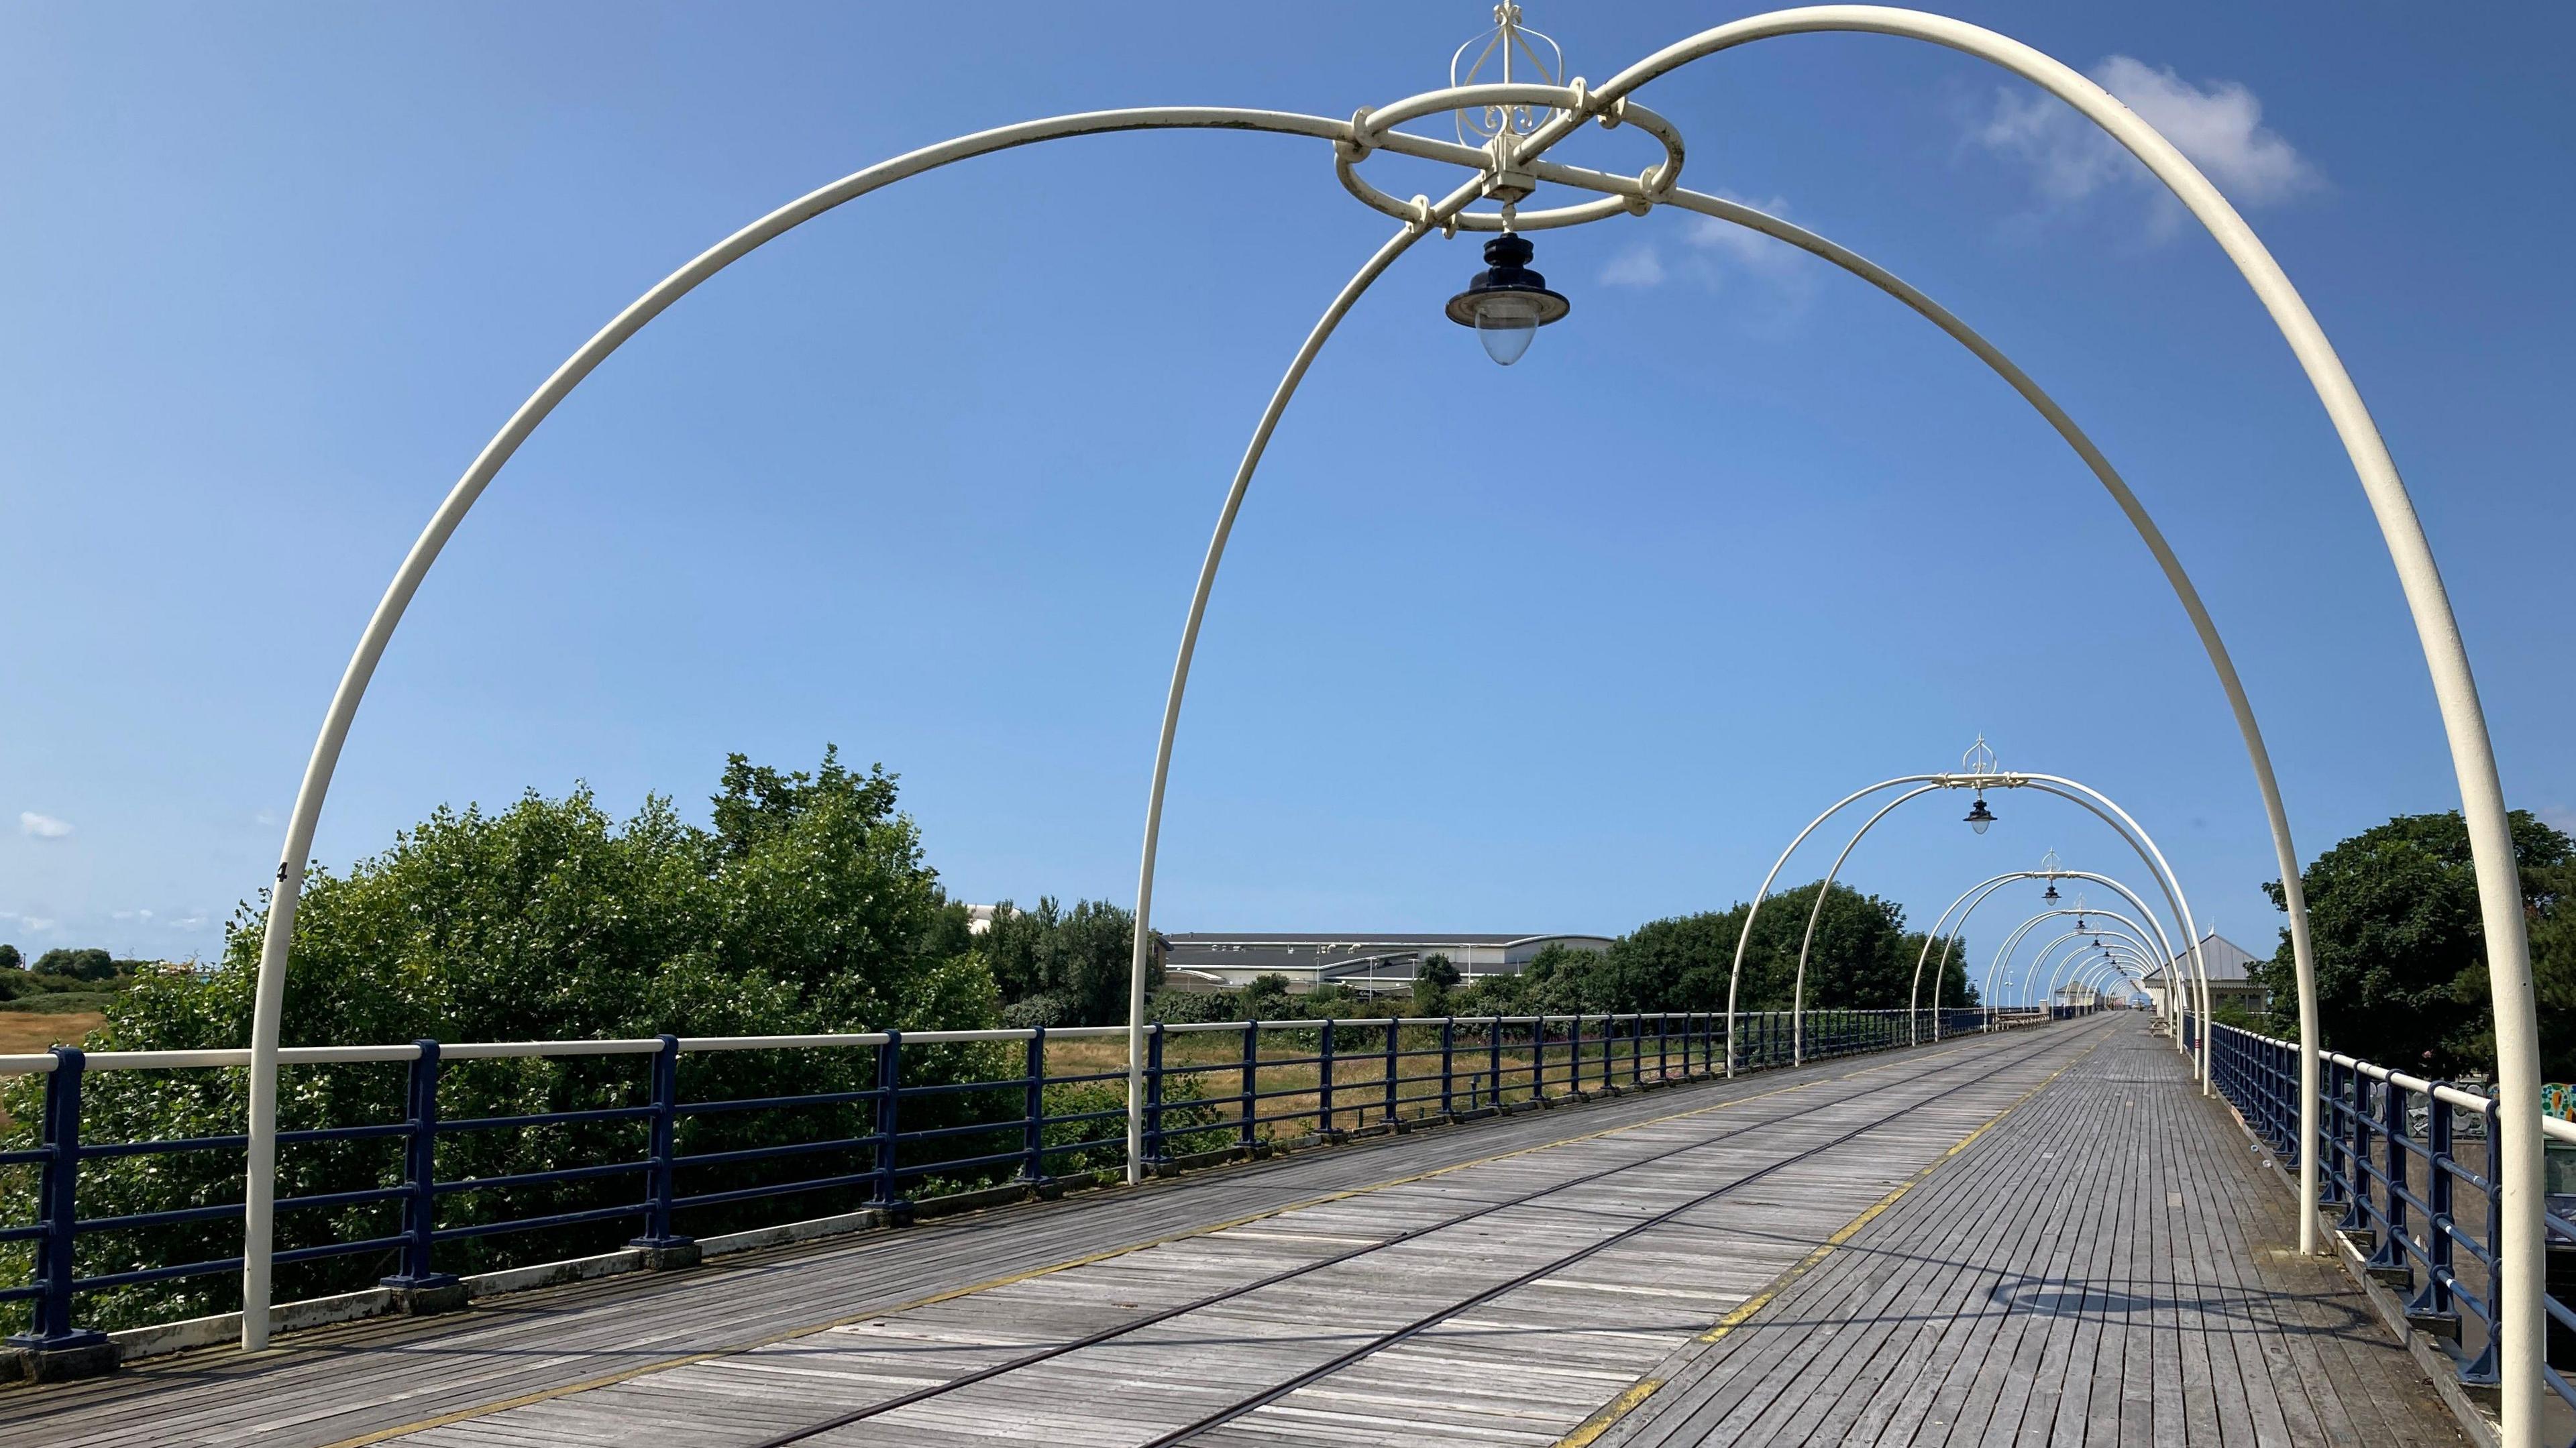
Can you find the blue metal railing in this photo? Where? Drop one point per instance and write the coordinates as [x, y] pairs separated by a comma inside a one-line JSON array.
[[1271, 1080], [2407, 1162]]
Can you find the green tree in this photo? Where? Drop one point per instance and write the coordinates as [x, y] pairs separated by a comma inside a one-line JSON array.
[[1432, 982], [1268, 999], [802, 911], [10, 959], [2401, 950], [1068, 966], [1863, 958], [78, 964]]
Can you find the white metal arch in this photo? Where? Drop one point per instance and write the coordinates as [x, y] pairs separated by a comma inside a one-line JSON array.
[[2073, 964], [2524, 1234], [1656, 189], [2446, 659], [2003, 953], [2152, 925], [1980, 891], [2124, 929], [1941, 969], [2100, 805], [2056, 974], [1807, 941]]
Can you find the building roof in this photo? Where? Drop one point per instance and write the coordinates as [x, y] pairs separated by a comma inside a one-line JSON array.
[[2225, 960], [1432, 940]]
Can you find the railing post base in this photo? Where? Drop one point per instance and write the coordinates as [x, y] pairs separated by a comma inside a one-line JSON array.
[[2435, 1324], [425, 1297], [668, 1256], [77, 1355]]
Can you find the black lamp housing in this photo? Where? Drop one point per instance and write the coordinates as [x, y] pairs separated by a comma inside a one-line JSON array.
[[1507, 302]]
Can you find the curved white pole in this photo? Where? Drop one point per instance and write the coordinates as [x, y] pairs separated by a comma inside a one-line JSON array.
[[1798, 992], [1983, 888], [2003, 952], [1140, 957], [2521, 1198], [2057, 974], [2041, 959], [2144, 913], [1744, 934], [2275, 810], [259, 1168], [2171, 883], [2071, 966], [2125, 930]]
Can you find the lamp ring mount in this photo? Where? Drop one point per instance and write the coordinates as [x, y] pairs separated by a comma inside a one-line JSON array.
[[1514, 164]]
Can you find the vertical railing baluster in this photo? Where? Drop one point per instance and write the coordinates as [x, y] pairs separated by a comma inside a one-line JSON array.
[[1664, 1046], [420, 1180], [2432, 1310], [2483, 1370], [2391, 1257], [1248, 1131], [2356, 1108], [2330, 1148], [1324, 1079], [1494, 1056], [1155, 1150], [889, 1093], [1033, 1110], [661, 1247], [57, 1196], [1448, 1065], [1388, 1109]]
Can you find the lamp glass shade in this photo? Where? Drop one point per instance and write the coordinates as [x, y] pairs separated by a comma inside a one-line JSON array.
[[1506, 322]]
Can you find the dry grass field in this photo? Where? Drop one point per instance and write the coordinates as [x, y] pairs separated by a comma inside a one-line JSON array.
[[25, 1032], [1359, 1072]]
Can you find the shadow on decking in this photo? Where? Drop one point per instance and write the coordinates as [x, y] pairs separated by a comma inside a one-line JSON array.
[[2333, 1313]]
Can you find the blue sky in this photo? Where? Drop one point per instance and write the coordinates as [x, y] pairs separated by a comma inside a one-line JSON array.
[[1563, 647]]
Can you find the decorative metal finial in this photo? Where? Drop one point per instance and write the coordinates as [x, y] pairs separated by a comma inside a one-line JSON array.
[[1980, 758], [1508, 38], [2050, 865]]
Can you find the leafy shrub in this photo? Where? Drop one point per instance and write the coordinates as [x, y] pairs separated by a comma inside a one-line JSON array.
[[804, 910], [1178, 1007]]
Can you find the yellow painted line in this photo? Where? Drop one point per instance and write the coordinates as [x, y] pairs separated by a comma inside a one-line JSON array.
[[1645, 1388], [503, 1405], [1600, 1423]]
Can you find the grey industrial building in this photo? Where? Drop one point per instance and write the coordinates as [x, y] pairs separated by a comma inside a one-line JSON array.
[[1361, 962]]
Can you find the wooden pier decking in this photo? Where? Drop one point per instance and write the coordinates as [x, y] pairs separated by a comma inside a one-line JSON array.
[[2039, 1237]]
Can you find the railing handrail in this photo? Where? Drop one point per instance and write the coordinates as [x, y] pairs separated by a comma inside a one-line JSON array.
[[2553, 1127], [2369, 1148], [39, 1064], [1334, 1075]]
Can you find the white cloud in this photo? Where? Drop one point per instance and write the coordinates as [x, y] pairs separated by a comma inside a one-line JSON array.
[[1638, 266], [42, 827], [1721, 256], [2220, 127], [1744, 246]]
